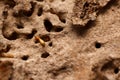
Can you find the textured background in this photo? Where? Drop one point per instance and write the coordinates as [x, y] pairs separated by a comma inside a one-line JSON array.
[[59, 39]]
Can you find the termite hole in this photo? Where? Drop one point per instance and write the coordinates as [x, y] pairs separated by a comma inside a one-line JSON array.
[[29, 36], [25, 57], [50, 44], [45, 55], [40, 11], [20, 25], [116, 70], [48, 25], [13, 36], [98, 45]]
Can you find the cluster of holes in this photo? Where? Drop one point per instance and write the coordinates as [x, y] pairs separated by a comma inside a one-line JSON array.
[[49, 27], [11, 3], [15, 35], [88, 8], [109, 68], [25, 13]]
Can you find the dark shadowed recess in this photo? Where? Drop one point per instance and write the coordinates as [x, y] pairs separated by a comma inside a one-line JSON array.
[[29, 36], [50, 28], [25, 13], [108, 6], [11, 3], [82, 30], [45, 55], [40, 11], [25, 57]]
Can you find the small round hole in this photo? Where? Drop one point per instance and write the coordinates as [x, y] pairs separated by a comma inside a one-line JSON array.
[[25, 57], [98, 45], [50, 44], [116, 70], [45, 55]]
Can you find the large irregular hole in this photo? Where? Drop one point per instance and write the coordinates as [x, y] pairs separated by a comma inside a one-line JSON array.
[[12, 36], [50, 28], [48, 25], [45, 55], [25, 13], [29, 36], [11, 3], [9, 33]]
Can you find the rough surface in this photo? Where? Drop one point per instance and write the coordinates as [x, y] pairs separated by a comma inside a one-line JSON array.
[[59, 39]]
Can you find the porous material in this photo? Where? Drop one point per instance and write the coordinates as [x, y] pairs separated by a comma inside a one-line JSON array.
[[59, 39]]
